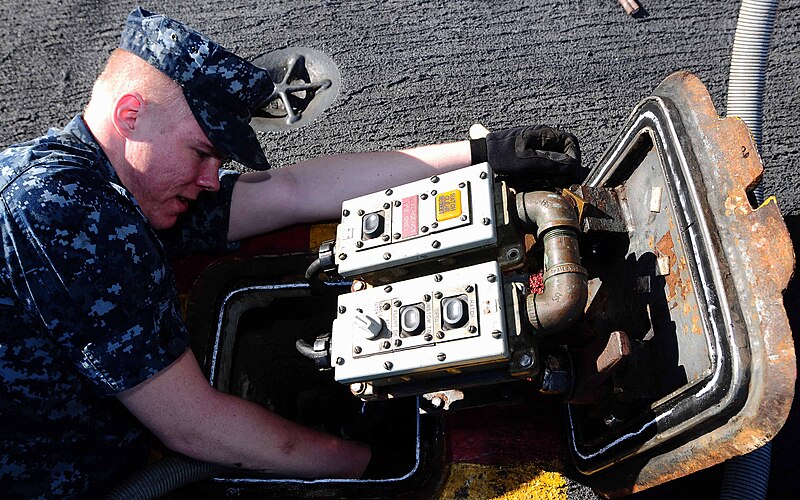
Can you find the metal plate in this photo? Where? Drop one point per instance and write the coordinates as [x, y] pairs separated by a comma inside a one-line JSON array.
[[306, 83]]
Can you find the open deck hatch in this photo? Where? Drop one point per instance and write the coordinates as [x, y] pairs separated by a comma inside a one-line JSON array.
[[679, 264]]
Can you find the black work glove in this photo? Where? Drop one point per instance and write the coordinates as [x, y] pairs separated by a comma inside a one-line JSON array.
[[532, 157]]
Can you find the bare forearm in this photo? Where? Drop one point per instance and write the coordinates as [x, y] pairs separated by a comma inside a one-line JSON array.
[[241, 434], [314, 190], [192, 418], [349, 175]]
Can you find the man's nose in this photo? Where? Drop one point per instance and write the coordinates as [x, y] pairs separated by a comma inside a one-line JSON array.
[[209, 177]]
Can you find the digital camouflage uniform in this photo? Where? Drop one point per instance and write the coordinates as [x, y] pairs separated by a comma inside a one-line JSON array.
[[88, 308], [88, 305]]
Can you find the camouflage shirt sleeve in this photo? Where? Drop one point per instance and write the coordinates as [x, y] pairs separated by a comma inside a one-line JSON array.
[[87, 264], [204, 228]]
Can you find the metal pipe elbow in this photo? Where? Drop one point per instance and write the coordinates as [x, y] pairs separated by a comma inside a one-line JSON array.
[[554, 221]]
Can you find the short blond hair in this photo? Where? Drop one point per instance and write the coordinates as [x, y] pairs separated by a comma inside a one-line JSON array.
[[125, 72]]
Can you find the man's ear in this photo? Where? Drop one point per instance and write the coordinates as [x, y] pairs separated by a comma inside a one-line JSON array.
[[126, 114]]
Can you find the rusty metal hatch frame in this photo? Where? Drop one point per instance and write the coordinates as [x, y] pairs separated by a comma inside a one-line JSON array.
[[739, 260]]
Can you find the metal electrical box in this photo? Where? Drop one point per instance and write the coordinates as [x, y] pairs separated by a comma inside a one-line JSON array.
[[421, 326], [451, 214]]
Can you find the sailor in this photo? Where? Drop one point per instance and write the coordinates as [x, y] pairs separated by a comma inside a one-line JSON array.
[[93, 350]]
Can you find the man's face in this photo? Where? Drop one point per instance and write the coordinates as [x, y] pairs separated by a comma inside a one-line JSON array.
[[173, 162]]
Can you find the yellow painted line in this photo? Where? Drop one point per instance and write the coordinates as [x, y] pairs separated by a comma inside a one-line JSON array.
[[770, 199], [503, 482]]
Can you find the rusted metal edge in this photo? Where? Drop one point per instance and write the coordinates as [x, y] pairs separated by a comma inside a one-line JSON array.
[[747, 399]]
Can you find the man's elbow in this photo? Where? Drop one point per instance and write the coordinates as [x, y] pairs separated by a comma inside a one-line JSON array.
[[186, 441]]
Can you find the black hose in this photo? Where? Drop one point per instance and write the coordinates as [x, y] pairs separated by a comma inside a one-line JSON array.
[[747, 476], [314, 269], [163, 476]]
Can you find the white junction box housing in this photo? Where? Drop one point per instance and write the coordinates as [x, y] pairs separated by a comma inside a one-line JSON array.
[[446, 322], [441, 215]]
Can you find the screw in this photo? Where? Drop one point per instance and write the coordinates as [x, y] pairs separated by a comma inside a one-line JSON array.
[[426, 297], [438, 295], [386, 344], [525, 360], [441, 356], [469, 289], [345, 213], [340, 361], [358, 285], [397, 303], [387, 256], [437, 277], [428, 337], [396, 236], [462, 185], [486, 221], [434, 225], [357, 349], [388, 192], [512, 254], [491, 278], [437, 402], [386, 205], [440, 335], [483, 175], [424, 196], [359, 244], [472, 329], [386, 306], [360, 311], [435, 179], [433, 192], [424, 229], [342, 256], [342, 309], [385, 237], [360, 212], [398, 342], [358, 387], [397, 203], [464, 217], [497, 334], [388, 365], [387, 288], [436, 244]]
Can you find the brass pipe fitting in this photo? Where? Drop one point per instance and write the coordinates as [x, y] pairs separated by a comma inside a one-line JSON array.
[[554, 221]]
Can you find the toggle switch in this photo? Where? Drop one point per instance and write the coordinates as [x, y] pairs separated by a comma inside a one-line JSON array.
[[369, 326]]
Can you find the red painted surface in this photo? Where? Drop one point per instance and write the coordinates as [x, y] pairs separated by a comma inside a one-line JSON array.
[[516, 433], [290, 240]]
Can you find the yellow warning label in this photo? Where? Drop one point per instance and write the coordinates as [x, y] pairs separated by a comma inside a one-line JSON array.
[[448, 205]]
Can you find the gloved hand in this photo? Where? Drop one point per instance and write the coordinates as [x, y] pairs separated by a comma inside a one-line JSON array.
[[531, 157]]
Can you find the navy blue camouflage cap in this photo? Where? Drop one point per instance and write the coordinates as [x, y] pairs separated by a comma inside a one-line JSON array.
[[222, 89]]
